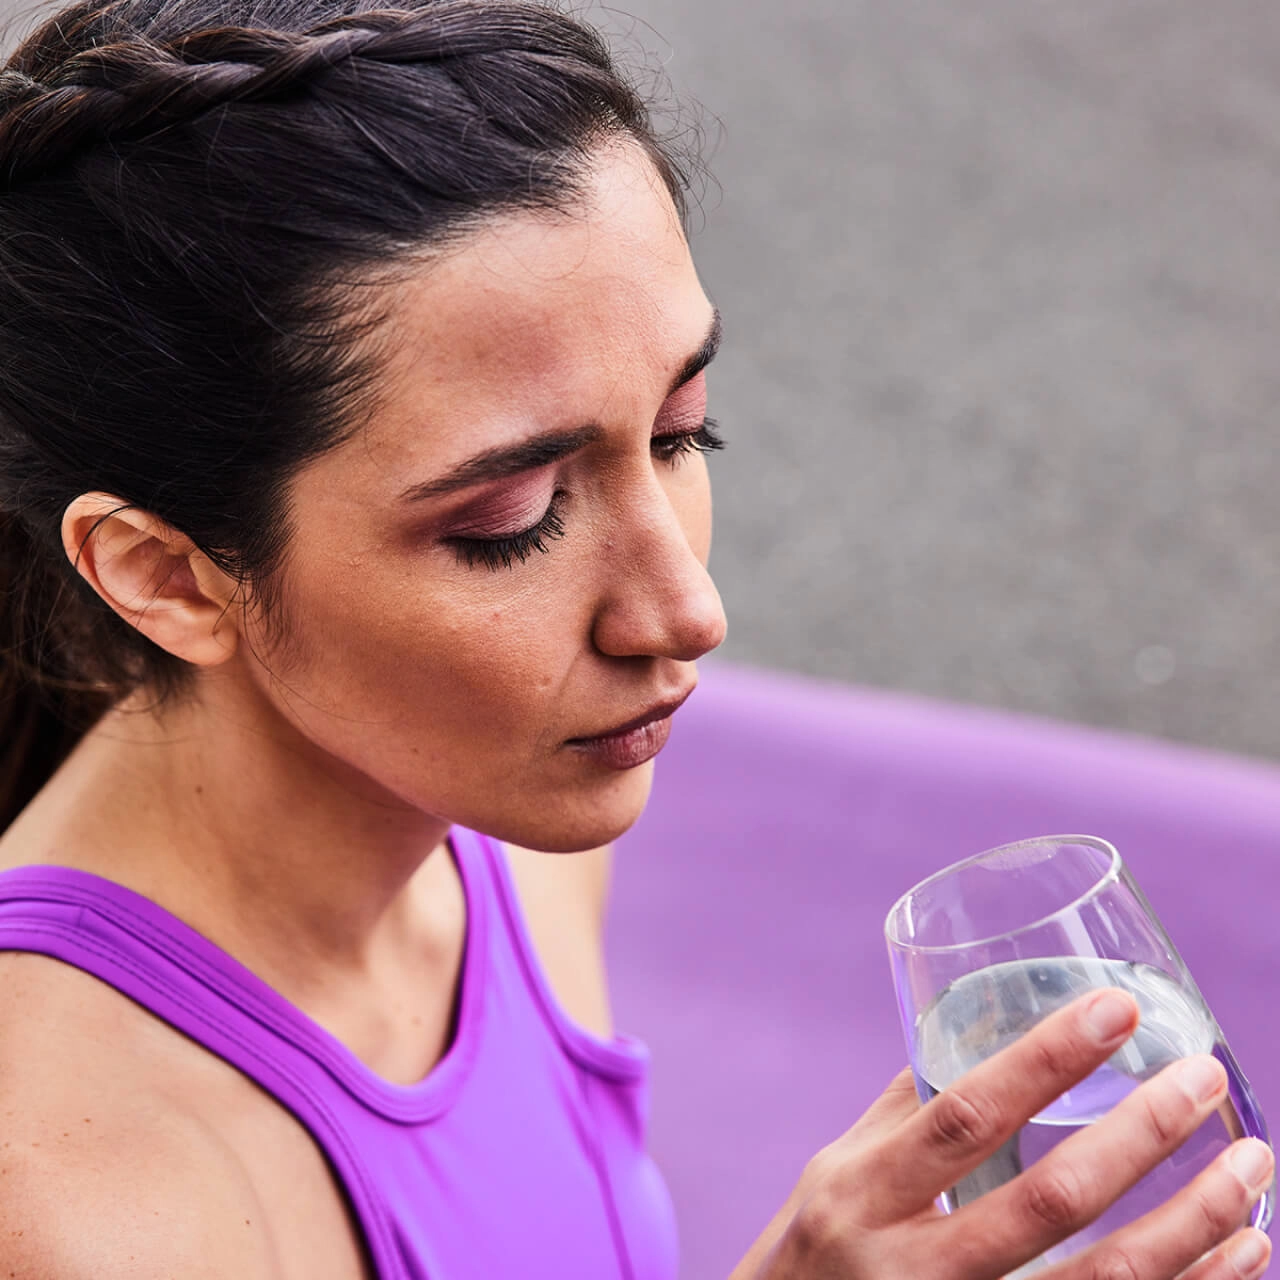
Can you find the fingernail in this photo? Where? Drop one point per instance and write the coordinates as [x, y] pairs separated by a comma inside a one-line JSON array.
[[1201, 1077], [1249, 1254], [1251, 1163], [1109, 1016]]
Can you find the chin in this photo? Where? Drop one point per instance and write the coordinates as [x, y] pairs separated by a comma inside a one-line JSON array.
[[581, 820]]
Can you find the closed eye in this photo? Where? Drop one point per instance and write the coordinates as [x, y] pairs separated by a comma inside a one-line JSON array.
[[671, 447], [502, 552]]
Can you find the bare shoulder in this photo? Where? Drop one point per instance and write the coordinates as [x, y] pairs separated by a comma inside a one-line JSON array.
[[564, 897], [103, 1171]]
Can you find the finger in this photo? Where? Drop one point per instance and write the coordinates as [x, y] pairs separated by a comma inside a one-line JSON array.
[[950, 1136], [1177, 1236], [890, 1109], [1080, 1177], [1243, 1257]]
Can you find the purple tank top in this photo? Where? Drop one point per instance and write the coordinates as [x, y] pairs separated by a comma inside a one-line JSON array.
[[521, 1154]]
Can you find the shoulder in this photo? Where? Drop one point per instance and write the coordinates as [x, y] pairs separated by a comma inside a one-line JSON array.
[[564, 898], [101, 1173]]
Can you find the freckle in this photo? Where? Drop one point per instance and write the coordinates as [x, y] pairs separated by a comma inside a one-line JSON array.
[[199, 789], [87, 1120], [35, 1144]]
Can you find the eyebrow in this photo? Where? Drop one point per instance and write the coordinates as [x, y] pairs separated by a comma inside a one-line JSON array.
[[506, 460], [704, 355], [540, 451]]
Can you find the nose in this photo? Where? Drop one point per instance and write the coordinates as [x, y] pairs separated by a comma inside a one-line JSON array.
[[658, 599]]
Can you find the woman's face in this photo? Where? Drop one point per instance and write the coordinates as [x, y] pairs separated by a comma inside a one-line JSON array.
[[508, 563]]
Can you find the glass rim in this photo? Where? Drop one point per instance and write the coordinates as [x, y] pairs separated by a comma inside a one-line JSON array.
[[1110, 875]]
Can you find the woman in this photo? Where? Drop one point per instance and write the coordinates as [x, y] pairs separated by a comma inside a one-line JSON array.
[[353, 399]]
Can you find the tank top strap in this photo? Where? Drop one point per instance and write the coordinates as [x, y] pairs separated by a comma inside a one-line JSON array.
[[166, 967]]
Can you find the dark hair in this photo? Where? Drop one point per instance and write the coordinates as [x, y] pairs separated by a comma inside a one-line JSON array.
[[190, 191]]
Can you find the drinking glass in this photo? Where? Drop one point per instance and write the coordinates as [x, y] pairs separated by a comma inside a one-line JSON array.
[[985, 949]]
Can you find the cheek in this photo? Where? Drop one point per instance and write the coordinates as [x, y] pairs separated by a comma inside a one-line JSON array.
[[400, 646]]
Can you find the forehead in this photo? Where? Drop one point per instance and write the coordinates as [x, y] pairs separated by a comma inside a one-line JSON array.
[[542, 319]]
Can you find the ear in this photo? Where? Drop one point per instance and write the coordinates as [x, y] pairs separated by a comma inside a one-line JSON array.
[[154, 577]]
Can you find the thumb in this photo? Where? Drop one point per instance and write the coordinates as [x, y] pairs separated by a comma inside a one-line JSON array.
[[890, 1109]]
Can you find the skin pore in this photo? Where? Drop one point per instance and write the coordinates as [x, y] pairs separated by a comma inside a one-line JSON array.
[[416, 674]]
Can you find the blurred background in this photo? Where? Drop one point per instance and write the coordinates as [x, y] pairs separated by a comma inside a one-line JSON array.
[[1001, 283]]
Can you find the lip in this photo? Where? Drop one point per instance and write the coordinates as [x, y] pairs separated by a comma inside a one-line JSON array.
[[659, 711], [635, 741]]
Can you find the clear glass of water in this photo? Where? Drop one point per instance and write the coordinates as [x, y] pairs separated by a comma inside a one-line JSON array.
[[985, 949]]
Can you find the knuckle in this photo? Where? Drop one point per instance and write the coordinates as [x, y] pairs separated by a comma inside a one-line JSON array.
[[959, 1255], [1056, 1198], [1045, 1059], [1166, 1114], [963, 1122], [1113, 1264], [815, 1230], [1217, 1215], [823, 1168]]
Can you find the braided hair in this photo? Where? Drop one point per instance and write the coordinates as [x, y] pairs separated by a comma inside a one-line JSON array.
[[194, 196]]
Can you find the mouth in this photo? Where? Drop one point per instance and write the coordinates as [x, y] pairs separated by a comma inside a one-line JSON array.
[[634, 742]]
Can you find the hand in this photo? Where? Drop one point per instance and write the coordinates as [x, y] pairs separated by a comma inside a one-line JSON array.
[[864, 1209]]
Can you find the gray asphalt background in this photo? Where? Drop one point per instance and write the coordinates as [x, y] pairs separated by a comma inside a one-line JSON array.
[[1001, 281]]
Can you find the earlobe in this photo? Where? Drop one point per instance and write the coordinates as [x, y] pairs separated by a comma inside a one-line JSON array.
[[154, 577]]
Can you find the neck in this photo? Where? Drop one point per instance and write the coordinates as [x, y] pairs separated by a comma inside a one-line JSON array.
[[233, 821]]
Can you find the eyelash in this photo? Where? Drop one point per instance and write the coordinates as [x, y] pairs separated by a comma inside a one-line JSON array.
[[706, 439], [502, 553]]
